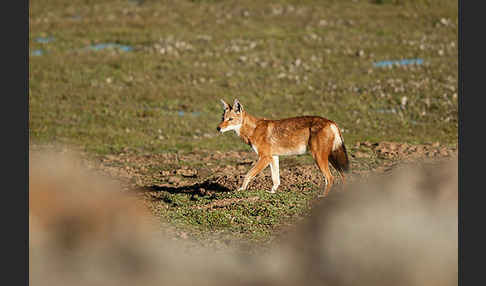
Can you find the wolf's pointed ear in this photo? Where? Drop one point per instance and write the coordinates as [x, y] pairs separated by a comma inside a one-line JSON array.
[[237, 107], [226, 106]]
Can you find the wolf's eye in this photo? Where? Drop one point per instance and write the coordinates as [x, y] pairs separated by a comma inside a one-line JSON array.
[[229, 119]]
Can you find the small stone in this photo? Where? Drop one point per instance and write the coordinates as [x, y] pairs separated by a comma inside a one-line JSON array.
[[444, 152], [174, 179], [187, 172], [165, 173], [322, 23], [361, 155], [202, 191], [403, 102]]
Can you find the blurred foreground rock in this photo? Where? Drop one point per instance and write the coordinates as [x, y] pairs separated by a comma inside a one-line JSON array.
[[398, 229]]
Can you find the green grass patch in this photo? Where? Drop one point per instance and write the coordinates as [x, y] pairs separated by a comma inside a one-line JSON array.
[[253, 216], [280, 59]]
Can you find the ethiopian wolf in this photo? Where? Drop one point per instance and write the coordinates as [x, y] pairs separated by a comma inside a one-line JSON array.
[[290, 136]]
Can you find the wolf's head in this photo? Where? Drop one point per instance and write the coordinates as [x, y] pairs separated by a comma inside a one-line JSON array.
[[232, 117]]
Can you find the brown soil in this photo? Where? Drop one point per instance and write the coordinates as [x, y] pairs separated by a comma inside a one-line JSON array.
[[205, 172], [224, 171]]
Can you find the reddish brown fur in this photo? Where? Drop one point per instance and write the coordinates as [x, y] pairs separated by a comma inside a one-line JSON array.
[[271, 138]]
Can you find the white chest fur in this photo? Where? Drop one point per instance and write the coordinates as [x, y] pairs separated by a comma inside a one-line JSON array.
[[296, 150], [299, 150]]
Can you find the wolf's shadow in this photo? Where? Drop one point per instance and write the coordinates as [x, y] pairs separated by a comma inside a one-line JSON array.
[[201, 189]]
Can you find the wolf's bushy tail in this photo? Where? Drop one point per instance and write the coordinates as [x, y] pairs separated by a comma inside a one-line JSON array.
[[339, 159], [339, 155]]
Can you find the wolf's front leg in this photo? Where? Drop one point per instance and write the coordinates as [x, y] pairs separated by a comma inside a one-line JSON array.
[[275, 174], [259, 166]]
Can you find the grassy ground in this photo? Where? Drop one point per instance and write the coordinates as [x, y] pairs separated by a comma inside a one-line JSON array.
[[279, 58]]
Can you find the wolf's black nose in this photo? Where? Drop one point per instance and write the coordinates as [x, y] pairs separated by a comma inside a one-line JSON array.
[[217, 128]]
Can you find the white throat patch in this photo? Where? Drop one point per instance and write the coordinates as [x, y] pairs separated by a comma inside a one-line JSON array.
[[236, 128]]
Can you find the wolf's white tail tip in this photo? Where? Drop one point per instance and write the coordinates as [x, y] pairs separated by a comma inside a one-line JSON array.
[[337, 138]]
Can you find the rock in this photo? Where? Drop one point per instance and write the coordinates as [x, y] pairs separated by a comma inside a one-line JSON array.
[[174, 180], [361, 155], [187, 172], [393, 146], [202, 191], [165, 173], [444, 152]]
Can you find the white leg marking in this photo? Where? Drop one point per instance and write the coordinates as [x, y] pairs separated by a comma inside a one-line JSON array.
[[275, 174], [254, 148], [246, 180]]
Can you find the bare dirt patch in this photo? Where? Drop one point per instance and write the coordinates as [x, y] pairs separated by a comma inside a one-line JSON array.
[[396, 150], [206, 172]]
